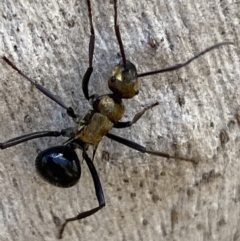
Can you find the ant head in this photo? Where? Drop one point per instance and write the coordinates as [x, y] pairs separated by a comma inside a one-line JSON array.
[[123, 81], [59, 165]]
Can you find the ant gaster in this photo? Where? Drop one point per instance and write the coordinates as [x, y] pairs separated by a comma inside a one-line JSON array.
[[60, 165]]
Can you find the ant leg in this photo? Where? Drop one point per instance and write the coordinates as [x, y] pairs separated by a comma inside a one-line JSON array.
[[34, 135], [89, 71], [143, 149], [99, 194], [118, 35], [135, 118], [45, 91], [179, 66]]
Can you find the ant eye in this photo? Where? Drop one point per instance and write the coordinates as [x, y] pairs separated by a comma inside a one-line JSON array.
[[59, 166], [113, 79]]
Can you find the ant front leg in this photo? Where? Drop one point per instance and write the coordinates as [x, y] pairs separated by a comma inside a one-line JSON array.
[[89, 71], [98, 191], [135, 118]]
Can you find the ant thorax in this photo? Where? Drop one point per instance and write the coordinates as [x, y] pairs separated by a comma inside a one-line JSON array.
[[107, 110]]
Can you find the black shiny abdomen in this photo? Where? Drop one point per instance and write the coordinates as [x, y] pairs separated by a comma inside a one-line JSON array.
[[59, 165]]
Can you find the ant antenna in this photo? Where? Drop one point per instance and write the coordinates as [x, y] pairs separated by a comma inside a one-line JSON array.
[[116, 26], [179, 66]]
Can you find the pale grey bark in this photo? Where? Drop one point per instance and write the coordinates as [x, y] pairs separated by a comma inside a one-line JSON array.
[[147, 197]]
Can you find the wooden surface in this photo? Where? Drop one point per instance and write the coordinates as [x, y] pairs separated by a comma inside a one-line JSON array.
[[148, 198]]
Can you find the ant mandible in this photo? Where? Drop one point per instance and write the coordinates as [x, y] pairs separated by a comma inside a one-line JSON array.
[[59, 165]]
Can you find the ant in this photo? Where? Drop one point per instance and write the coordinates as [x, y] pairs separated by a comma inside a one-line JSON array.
[[60, 165]]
